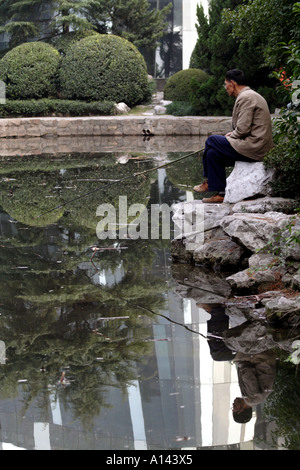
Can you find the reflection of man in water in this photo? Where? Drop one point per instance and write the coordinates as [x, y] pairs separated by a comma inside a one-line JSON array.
[[256, 372], [216, 325], [256, 375]]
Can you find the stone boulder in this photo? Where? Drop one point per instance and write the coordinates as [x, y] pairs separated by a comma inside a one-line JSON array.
[[190, 217], [220, 251], [248, 280], [266, 204], [247, 180], [199, 239], [290, 239], [284, 310], [253, 230], [121, 108], [265, 271], [159, 109]]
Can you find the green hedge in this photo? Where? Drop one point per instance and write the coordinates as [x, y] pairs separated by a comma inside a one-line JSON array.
[[181, 108], [30, 71], [104, 67], [50, 107], [180, 86]]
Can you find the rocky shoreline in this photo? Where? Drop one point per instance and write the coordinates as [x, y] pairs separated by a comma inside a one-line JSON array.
[[254, 244]]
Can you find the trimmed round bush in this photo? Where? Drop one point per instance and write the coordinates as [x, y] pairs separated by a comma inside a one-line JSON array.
[[104, 67], [180, 86], [30, 71]]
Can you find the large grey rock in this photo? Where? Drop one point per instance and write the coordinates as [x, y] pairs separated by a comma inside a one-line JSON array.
[[192, 216], [121, 108], [219, 251], [260, 261], [283, 305], [248, 281], [283, 309], [255, 231], [266, 204], [159, 109], [247, 180], [290, 239], [195, 221]]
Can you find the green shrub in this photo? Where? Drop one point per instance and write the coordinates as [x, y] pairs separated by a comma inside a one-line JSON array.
[[209, 99], [104, 67], [30, 71], [50, 107], [285, 156], [181, 108], [180, 86]]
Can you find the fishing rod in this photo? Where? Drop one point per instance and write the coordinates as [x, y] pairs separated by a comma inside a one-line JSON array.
[[134, 175]]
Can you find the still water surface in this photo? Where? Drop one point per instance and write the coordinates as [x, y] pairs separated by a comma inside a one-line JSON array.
[[101, 346]]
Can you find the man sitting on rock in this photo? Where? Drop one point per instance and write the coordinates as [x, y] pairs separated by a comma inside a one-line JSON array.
[[249, 141]]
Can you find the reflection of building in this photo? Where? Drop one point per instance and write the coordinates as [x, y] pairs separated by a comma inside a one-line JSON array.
[[183, 400]]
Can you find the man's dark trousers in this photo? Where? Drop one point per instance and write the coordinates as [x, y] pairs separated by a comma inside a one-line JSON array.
[[219, 154]]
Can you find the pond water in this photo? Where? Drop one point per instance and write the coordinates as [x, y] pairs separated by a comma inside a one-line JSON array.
[[103, 344]]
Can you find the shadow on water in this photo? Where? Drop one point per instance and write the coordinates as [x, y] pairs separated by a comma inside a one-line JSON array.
[[105, 343]]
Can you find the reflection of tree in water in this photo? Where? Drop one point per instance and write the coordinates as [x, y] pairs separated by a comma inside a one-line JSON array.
[[186, 174], [282, 406], [55, 318], [45, 326], [34, 191]]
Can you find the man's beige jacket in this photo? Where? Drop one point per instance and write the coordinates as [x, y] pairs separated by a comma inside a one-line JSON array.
[[252, 127]]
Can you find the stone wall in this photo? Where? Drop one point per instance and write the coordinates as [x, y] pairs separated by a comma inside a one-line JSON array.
[[113, 126], [57, 135]]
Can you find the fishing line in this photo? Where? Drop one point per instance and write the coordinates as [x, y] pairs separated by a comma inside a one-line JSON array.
[[141, 173]]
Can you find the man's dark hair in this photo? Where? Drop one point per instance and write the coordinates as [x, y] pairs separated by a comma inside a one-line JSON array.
[[236, 75], [242, 417]]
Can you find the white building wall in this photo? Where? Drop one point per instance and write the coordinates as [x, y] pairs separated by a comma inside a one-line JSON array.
[[189, 32]]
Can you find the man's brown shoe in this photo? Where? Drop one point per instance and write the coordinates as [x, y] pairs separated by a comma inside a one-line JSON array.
[[201, 188], [217, 199]]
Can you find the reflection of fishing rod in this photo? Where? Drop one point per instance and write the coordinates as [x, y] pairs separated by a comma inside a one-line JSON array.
[[132, 305], [141, 173], [171, 321]]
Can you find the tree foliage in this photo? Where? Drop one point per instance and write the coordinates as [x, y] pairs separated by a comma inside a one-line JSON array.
[[269, 23], [133, 20], [217, 50], [285, 156]]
